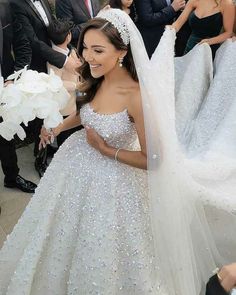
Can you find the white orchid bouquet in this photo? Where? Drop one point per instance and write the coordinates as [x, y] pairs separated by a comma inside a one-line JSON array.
[[31, 95]]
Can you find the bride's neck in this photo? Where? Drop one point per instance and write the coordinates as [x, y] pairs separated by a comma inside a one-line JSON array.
[[117, 75]]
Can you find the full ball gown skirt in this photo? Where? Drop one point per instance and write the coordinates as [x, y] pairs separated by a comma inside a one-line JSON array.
[[87, 228]]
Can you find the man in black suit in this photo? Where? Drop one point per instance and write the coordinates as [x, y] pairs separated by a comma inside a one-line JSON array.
[[13, 39], [223, 282], [77, 11], [35, 16], [153, 16]]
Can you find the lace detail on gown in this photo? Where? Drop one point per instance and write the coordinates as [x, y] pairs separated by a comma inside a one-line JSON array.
[[86, 230]]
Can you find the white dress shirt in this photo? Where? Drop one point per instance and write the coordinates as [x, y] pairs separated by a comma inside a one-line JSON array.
[[61, 50], [168, 2], [41, 11]]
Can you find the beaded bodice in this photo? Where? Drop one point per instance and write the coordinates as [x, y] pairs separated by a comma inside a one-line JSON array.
[[116, 129]]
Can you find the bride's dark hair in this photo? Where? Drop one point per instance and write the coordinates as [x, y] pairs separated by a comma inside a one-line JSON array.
[[90, 85]]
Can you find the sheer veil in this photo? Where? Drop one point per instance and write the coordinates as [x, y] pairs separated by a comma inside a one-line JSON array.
[[185, 251]]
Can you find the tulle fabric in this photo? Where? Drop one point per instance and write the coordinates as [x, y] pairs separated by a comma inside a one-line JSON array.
[[182, 176], [185, 250]]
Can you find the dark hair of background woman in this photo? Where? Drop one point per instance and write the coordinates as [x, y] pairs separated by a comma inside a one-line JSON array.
[[90, 85], [115, 4], [118, 4]]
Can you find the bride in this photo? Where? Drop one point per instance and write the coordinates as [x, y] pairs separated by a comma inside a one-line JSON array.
[[87, 229], [98, 222]]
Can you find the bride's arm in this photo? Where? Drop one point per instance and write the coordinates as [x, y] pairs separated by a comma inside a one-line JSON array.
[[181, 20], [136, 159], [70, 122]]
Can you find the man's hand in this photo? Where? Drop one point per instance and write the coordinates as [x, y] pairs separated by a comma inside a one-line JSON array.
[[72, 64], [227, 277], [178, 4]]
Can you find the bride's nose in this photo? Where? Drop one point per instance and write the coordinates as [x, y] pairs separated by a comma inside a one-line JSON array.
[[88, 56]]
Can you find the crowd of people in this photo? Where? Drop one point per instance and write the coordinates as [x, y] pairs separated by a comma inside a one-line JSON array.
[[87, 229]]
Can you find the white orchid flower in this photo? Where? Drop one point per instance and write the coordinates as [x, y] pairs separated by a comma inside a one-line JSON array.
[[53, 121], [61, 97], [11, 96], [32, 95], [17, 74], [9, 129], [54, 82]]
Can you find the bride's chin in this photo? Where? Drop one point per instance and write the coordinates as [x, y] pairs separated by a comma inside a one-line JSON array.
[[96, 75]]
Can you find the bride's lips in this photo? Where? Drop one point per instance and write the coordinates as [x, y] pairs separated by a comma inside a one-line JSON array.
[[94, 66]]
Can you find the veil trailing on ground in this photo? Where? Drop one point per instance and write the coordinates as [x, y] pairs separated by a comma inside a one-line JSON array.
[[184, 248], [197, 160], [184, 243]]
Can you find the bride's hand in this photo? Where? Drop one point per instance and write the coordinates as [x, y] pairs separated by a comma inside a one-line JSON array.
[[95, 140], [45, 138]]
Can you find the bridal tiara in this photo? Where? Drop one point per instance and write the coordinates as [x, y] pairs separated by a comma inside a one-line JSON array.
[[118, 19]]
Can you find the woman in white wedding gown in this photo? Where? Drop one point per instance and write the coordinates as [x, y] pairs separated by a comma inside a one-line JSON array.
[[87, 229], [98, 224]]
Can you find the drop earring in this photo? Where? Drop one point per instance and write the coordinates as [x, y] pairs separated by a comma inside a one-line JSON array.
[[121, 59]]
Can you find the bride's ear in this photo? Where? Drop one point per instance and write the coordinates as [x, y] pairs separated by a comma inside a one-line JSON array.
[[123, 54]]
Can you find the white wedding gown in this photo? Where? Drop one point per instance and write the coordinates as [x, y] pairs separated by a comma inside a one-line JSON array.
[[87, 228], [94, 226], [207, 128]]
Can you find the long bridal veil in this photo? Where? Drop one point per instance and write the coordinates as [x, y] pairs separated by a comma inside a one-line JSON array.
[[179, 96], [185, 251]]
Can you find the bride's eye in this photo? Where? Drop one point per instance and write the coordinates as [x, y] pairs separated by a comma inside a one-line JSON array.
[[98, 51]]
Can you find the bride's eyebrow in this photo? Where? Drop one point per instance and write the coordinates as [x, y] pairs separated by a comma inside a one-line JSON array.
[[96, 45]]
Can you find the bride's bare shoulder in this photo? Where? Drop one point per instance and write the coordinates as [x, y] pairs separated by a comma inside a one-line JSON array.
[[134, 99]]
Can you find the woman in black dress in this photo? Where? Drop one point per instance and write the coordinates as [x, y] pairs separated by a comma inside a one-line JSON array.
[[211, 22]]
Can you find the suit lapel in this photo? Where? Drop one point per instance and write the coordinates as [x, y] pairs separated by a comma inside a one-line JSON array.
[[47, 9], [84, 8], [93, 8], [35, 10], [96, 7]]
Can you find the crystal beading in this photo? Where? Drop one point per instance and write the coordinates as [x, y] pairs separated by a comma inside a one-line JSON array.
[[118, 19]]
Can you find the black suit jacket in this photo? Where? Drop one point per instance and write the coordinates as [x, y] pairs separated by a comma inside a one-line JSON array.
[[77, 12], [214, 287], [15, 51], [36, 32], [153, 16]]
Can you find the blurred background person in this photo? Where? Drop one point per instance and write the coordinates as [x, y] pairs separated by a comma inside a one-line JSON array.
[[207, 18], [182, 37], [121, 4], [153, 16], [60, 34], [224, 282], [35, 17], [77, 11], [125, 5], [15, 54]]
